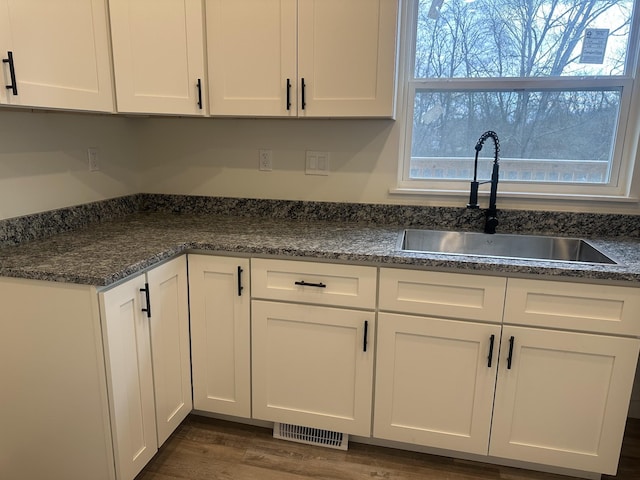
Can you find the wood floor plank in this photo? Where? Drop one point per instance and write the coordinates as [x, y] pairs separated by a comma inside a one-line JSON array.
[[208, 449]]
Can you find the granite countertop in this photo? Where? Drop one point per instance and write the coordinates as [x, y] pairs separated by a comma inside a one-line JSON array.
[[103, 253]]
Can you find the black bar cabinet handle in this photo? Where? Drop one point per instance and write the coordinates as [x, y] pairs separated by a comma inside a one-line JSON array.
[[288, 94], [199, 94], [305, 284], [303, 93], [148, 299], [240, 287], [492, 339], [12, 72], [510, 357], [366, 336]]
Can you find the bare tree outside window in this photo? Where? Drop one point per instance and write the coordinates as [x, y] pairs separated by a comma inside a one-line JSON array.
[[547, 75]]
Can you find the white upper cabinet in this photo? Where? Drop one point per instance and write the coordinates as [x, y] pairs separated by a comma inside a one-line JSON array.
[[251, 48], [59, 54], [311, 58], [158, 56], [347, 57]]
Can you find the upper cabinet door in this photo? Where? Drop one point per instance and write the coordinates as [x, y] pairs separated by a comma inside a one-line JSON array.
[[60, 54], [158, 55], [347, 57], [251, 48]]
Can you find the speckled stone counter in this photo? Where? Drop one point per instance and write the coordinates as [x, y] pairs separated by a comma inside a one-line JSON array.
[[102, 253]]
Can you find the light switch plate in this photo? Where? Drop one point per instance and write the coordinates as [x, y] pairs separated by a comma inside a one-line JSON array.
[[317, 163]]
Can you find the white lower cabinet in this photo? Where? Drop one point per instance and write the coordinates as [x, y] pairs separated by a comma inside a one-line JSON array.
[[562, 398], [146, 338], [435, 380], [312, 365], [220, 334]]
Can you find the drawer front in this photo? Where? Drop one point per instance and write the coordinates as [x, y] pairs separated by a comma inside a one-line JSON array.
[[454, 295], [573, 306], [318, 283]]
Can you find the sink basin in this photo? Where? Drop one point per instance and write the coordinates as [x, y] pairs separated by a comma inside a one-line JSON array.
[[530, 247]]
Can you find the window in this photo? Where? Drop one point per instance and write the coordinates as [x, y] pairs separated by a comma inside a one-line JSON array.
[[553, 78]]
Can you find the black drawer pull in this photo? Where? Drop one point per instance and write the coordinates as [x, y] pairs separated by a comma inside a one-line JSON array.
[[148, 300], [199, 84], [240, 287], [510, 357], [12, 73], [492, 339], [303, 93], [366, 335], [288, 94], [305, 284]]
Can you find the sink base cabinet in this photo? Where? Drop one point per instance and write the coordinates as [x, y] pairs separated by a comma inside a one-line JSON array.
[[310, 366], [434, 382], [563, 400]]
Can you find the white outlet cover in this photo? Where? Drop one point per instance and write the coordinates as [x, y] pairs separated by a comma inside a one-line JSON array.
[[265, 158]]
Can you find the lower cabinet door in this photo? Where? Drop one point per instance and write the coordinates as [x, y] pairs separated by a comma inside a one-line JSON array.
[[562, 398], [220, 334], [129, 376], [313, 366], [435, 381], [171, 353]]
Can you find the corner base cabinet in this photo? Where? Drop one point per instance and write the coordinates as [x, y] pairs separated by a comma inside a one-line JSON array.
[[146, 338]]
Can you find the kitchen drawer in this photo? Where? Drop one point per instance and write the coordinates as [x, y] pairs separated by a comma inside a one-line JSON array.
[[472, 297], [310, 282], [573, 306]]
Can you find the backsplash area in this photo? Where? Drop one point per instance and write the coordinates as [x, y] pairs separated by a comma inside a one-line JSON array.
[[42, 225]]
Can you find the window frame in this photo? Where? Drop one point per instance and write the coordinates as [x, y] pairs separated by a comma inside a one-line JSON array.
[[626, 148]]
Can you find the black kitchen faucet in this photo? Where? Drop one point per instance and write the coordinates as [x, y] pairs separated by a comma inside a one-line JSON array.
[[491, 213]]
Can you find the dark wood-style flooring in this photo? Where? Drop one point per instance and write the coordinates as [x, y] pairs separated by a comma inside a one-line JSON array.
[[209, 449]]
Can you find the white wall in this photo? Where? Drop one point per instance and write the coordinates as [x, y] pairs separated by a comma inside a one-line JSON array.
[[220, 157], [43, 160]]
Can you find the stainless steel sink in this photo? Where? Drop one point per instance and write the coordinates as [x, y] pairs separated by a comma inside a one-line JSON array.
[[528, 247]]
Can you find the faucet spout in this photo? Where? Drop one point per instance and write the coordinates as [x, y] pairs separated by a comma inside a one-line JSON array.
[[492, 212]]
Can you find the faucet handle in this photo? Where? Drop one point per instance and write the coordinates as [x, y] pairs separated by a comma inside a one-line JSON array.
[[491, 223]]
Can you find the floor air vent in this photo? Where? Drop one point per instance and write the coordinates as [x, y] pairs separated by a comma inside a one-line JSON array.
[[311, 436]]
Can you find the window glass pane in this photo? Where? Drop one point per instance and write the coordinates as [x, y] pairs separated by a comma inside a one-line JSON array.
[[545, 136], [521, 38]]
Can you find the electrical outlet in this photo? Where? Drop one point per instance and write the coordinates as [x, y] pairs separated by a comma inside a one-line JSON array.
[[92, 157], [317, 163], [266, 160]]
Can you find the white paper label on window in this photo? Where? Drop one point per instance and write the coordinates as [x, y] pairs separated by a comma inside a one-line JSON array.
[[594, 45]]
